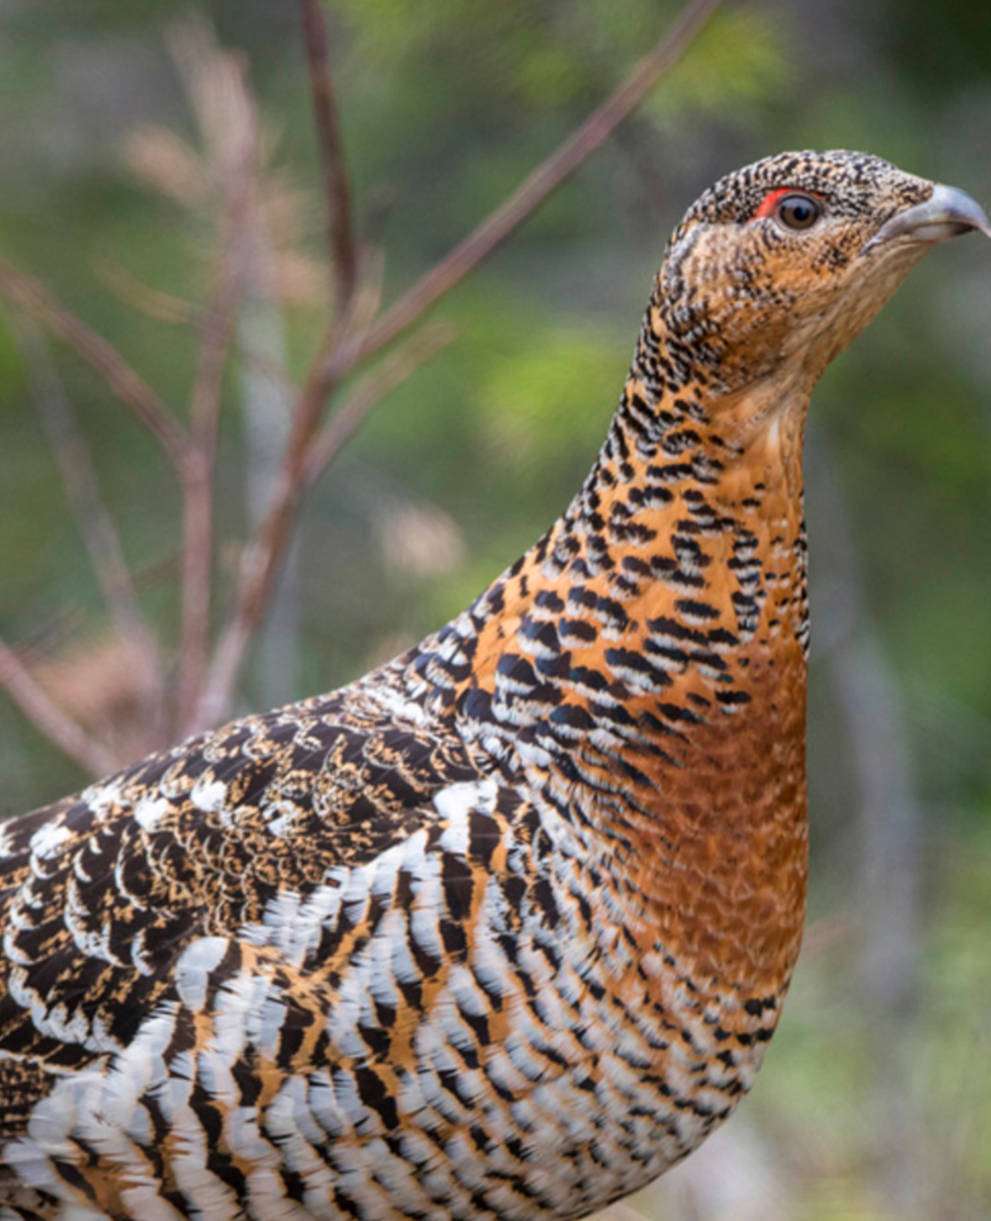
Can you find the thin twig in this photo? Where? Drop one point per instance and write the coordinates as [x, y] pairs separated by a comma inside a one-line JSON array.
[[96, 526], [267, 400], [165, 307], [385, 377], [136, 295], [263, 554], [216, 334], [30, 295], [56, 724], [197, 530], [549, 175], [343, 348], [338, 190], [261, 558], [218, 321], [366, 298]]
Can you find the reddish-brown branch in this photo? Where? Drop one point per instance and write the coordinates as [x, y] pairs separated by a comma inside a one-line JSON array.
[[549, 175], [136, 295], [29, 295], [338, 190], [263, 554], [344, 346], [39, 707], [96, 526], [197, 530], [261, 558], [216, 334], [385, 377]]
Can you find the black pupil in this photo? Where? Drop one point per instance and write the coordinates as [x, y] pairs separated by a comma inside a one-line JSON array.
[[798, 212]]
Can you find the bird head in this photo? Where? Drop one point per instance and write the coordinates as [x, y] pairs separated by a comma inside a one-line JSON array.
[[778, 266]]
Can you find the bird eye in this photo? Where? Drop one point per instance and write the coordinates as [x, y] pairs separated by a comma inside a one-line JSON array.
[[798, 211]]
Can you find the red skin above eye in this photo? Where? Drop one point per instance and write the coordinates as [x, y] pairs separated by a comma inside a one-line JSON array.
[[770, 200]]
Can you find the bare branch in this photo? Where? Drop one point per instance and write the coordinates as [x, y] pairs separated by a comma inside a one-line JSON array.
[[342, 239], [216, 334], [96, 526], [31, 296], [217, 84], [38, 706], [136, 295], [261, 558], [197, 530], [341, 352], [263, 554], [165, 307], [352, 413], [525, 200], [366, 299], [267, 400]]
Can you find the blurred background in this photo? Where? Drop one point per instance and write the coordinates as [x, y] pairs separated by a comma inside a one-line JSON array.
[[118, 128]]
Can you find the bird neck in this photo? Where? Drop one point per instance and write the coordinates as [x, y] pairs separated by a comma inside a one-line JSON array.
[[643, 665]]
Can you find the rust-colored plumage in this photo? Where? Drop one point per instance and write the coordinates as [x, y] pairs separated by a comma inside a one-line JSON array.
[[500, 930]]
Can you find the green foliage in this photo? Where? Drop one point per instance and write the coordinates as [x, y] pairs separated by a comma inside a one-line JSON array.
[[742, 61]]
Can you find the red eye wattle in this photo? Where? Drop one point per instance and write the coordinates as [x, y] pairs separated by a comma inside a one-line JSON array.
[[793, 209], [769, 201]]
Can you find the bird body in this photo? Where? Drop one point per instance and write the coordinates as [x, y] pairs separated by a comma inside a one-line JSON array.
[[500, 930]]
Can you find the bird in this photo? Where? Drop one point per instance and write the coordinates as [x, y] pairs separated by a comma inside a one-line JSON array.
[[501, 929]]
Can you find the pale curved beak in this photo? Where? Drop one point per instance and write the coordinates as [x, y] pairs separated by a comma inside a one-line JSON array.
[[947, 212]]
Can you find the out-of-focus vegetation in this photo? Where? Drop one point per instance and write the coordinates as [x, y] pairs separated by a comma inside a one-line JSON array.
[[874, 1101]]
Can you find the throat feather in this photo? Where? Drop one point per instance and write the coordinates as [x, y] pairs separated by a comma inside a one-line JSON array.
[[641, 672]]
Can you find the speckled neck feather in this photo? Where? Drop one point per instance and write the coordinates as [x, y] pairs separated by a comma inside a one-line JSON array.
[[644, 665]]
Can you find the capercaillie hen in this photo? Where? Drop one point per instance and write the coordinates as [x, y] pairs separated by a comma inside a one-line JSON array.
[[500, 930]]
